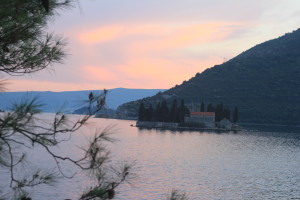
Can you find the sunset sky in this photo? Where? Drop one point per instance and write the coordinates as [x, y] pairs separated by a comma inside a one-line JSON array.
[[155, 43]]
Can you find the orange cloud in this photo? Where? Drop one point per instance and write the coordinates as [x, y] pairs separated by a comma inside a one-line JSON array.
[[170, 35], [100, 34], [138, 73], [153, 55], [163, 73], [27, 85], [114, 32], [140, 55], [182, 37], [100, 74]]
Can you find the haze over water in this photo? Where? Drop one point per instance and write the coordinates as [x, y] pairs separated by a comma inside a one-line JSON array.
[[250, 164]]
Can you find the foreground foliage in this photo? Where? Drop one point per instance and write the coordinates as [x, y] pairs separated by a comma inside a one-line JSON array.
[[26, 48]]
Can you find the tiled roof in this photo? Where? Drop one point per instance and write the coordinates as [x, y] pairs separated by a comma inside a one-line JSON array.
[[203, 113]]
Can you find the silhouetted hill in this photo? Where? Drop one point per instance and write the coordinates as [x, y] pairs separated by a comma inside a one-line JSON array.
[[263, 82]]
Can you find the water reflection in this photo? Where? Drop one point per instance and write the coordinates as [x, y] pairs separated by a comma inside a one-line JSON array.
[[249, 164], [272, 128]]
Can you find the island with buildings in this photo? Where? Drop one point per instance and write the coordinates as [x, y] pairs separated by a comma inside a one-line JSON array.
[[182, 117]]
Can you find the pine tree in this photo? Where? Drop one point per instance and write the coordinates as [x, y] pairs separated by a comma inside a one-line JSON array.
[[26, 47]]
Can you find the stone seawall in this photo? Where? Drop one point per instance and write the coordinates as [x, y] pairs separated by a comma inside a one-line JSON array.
[[157, 124]]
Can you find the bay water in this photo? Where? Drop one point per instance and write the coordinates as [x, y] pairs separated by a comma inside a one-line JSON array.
[[259, 162]]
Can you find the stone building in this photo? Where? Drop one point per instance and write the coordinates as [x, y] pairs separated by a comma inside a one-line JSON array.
[[201, 118], [224, 124]]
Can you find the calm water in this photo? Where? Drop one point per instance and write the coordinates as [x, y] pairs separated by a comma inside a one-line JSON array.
[[252, 164]]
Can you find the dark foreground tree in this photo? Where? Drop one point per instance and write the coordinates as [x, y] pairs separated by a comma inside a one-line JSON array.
[[26, 48]]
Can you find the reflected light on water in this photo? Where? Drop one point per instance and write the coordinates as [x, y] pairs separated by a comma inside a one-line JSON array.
[[206, 165]]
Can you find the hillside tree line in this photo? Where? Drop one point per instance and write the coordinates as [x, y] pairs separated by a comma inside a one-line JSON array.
[[162, 113], [176, 114]]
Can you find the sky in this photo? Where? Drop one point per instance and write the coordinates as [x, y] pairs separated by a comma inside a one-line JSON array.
[[154, 43]]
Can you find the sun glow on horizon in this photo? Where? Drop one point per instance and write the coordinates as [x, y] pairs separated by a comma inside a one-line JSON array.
[[140, 45]]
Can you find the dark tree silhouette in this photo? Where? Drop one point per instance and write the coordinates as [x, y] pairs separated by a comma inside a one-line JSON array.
[[142, 112], [25, 48], [149, 113], [159, 114], [183, 111], [165, 111], [210, 108], [235, 115], [173, 111], [219, 112], [202, 107], [226, 113]]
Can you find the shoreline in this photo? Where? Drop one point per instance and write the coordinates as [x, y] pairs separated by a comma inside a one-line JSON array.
[[189, 129]]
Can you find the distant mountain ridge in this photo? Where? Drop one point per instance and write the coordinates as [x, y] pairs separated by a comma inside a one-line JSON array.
[[70, 101], [263, 82]]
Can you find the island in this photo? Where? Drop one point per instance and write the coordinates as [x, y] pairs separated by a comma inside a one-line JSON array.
[[182, 117]]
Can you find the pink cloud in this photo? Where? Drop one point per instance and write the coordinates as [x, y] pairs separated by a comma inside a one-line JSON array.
[[100, 34], [98, 74], [139, 55]]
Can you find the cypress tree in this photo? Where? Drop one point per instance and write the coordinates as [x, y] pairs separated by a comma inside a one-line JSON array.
[[159, 117], [186, 111], [149, 114], [174, 111], [226, 114], [183, 111], [165, 111], [202, 107], [235, 115], [210, 108], [219, 112], [222, 110], [142, 113]]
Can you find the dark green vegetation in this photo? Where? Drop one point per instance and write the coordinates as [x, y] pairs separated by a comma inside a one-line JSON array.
[[263, 82], [176, 113], [162, 113]]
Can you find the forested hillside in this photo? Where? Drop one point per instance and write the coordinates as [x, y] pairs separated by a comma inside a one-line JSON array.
[[263, 82]]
